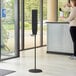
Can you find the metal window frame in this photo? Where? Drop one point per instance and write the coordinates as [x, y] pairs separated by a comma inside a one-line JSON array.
[[41, 22], [0, 30], [22, 24], [57, 10]]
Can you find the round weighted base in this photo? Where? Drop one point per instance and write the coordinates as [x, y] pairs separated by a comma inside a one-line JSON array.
[[35, 70]]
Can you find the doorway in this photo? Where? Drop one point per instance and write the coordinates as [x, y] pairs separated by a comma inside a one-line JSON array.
[[27, 39]]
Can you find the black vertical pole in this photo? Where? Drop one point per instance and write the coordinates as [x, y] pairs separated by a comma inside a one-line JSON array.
[[34, 31], [0, 29], [57, 10], [35, 51], [18, 31]]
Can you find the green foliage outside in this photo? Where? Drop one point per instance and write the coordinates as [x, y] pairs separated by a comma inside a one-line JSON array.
[[35, 4], [61, 4], [8, 22], [27, 26]]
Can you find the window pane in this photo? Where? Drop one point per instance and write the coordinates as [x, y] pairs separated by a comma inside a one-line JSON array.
[[62, 11], [29, 38]]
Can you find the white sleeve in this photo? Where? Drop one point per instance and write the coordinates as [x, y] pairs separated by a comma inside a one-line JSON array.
[[71, 16]]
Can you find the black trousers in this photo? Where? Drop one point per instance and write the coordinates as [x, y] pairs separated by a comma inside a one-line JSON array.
[[73, 35]]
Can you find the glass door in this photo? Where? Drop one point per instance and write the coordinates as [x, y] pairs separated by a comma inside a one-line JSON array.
[[26, 36], [9, 29], [44, 22]]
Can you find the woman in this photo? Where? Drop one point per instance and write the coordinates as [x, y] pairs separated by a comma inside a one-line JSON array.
[[72, 22]]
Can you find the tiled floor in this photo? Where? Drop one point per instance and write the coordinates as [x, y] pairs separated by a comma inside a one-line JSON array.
[[51, 64]]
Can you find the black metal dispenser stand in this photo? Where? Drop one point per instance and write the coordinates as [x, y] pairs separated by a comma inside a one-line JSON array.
[[35, 70]]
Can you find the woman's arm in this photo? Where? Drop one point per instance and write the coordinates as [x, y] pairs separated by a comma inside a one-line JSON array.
[[67, 5], [71, 16]]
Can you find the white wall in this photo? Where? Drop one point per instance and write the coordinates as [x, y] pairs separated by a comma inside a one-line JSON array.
[[58, 38]]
